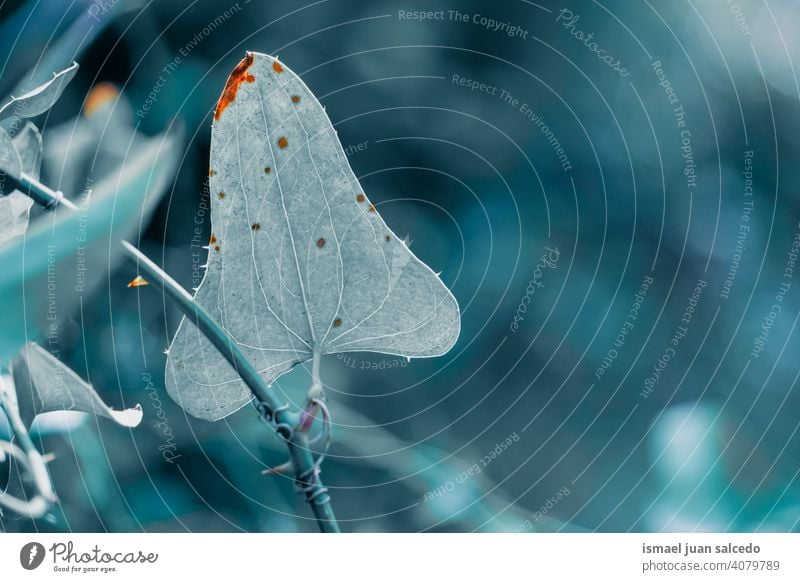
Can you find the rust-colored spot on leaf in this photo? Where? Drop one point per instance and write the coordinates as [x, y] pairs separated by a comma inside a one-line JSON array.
[[282, 142], [210, 172], [388, 237], [100, 94], [256, 226], [236, 78], [212, 240], [216, 248], [295, 98], [221, 195], [360, 198], [139, 281], [337, 322], [372, 208], [321, 242], [276, 66], [267, 170]]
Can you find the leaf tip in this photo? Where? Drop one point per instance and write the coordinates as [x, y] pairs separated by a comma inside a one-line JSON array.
[[130, 417], [238, 76]]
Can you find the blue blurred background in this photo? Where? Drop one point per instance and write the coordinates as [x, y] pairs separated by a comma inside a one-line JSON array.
[[608, 187]]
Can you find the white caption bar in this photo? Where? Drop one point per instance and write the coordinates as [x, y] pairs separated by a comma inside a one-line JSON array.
[[379, 557]]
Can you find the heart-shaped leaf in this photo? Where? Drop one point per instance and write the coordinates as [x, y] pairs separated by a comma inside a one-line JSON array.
[[40, 99], [300, 262], [44, 384]]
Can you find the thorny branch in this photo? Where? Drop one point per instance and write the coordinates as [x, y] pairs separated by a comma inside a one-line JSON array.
[[289, 425]]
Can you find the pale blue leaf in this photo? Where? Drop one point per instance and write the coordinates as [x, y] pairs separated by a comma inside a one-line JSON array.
[[41, 98], [302, 263], [44, 384]]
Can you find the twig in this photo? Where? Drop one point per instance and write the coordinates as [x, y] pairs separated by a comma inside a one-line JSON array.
[[37, 191], [306, 468]]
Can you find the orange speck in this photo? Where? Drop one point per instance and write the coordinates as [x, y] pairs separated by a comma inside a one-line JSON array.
[[139, 281], [236, 78], [100, 94], [212, 240], [276, 66], [221, 195], [337, 322], [372, 208], [360, 198], [256, 226], [216, 248], [295, 98], [282, 142], [321, 243], [210, 172]]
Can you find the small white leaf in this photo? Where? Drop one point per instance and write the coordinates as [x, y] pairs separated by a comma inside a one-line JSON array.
[[15, 208], [41, 98], [300, 261], [13, 214], [44, 384]]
